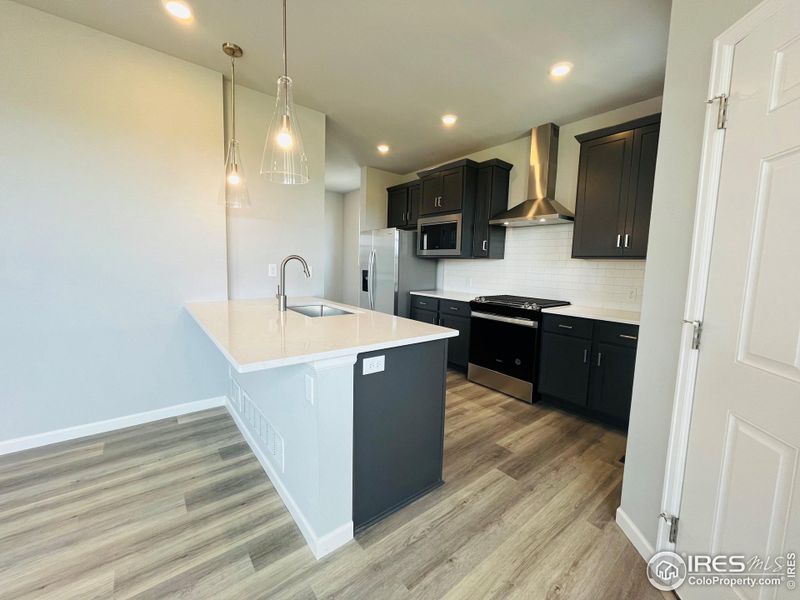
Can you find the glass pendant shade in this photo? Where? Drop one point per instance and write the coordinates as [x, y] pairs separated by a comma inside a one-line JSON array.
[[284, 159], [235, 184]]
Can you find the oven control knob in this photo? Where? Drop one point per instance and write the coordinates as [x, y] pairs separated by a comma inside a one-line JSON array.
[[480, 299], [527, 306]]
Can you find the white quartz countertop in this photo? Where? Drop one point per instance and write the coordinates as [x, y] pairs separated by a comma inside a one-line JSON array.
[[254, 335], [631, 317], [447, 295]]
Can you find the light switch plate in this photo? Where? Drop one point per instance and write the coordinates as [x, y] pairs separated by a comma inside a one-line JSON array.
[[374, 364], [310, 389], [273, 270]]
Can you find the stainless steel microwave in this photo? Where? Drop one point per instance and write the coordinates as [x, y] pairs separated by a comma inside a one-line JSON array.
[[439, 236]]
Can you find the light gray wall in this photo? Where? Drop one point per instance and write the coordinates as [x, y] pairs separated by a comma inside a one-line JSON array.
[[283, 219], [694, 24], [350, 234], [334, 245], [109, 221]]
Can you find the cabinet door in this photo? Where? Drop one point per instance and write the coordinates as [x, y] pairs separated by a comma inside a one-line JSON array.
[[603, 184], [414, 197], [564, 367], [426, 316], [611, 383], [397, 209], [457, 347], [483, 202], [431, 190], [452, 194], [640, 197]]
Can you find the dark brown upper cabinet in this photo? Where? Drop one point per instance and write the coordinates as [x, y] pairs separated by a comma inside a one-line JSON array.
[[403, 205], [478, 191], [448, 189], [615, 190], [491, 198]]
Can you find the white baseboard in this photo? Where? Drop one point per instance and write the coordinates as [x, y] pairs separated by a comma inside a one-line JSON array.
[[320, 545], [79, 431], [635, 535]]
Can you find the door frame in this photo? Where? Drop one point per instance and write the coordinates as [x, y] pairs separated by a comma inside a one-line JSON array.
[[700, 262]]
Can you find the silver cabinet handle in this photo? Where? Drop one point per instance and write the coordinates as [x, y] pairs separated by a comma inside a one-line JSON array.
[[599, 358], [585, 355], [627, 239], [628, 337], [455, 308], [565, 326], [421, 303], [619, 239], [485, 244]]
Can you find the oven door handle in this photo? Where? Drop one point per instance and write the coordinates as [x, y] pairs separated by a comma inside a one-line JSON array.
[[512, 320]]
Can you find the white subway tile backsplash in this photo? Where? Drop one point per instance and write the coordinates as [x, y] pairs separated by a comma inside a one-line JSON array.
[[538, 263]]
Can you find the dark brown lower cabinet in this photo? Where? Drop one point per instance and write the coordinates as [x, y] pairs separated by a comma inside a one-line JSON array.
[[426, 316], [457, 347], [564, 367], [447, 313], [588, 364], [611, 383]]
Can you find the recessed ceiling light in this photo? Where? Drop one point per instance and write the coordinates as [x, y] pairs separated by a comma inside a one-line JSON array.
[[179, 10], [561, 69], [449, 120], [383, 148]]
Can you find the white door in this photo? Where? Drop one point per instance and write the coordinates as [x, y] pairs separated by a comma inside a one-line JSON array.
[[741, 490]]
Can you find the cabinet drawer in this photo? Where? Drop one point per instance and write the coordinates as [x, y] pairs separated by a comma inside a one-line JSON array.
[[454, 307], [424, 302], [616, 333], [573, 326]]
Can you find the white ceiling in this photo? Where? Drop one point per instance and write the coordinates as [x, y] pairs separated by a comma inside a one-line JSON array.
[[384, 71]]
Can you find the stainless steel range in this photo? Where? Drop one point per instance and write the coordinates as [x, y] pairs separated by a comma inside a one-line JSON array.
[[504, 343]]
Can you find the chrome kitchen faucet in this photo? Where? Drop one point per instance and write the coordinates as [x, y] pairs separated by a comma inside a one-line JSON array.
[[281, 295]]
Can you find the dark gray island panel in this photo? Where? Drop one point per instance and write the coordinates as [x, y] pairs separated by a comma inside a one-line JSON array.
[[398, 429]]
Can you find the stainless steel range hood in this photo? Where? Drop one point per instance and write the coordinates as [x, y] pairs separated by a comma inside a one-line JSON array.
[[540, 208]]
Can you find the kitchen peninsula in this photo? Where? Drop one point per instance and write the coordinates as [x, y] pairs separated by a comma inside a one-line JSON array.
[[344, 409]]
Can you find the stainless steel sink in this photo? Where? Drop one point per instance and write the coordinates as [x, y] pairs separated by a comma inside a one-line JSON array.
[[319, 310]]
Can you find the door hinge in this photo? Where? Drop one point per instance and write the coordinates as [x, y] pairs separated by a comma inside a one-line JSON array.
[[673, 526], [722, 109], [697, 332]]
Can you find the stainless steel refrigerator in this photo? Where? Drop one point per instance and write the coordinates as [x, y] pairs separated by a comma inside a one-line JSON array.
[[390, 269]]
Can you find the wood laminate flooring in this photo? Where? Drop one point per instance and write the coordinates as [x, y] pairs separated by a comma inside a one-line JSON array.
[[180, 508]]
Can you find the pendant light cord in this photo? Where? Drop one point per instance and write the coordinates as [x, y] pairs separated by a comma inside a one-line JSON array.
[[285, 68], [233, 98]]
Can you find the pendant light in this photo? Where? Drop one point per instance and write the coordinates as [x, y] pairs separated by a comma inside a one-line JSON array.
[[284, 160], [235, 185]]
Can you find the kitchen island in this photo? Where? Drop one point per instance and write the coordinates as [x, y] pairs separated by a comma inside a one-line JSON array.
[[345, 411]]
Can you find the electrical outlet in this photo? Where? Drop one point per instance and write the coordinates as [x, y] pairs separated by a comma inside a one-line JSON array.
[[374, 364], [310, 389], [273, 270]]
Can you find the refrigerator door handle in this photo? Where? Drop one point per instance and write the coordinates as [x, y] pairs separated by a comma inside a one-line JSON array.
[[370, 272], [374, 260]]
